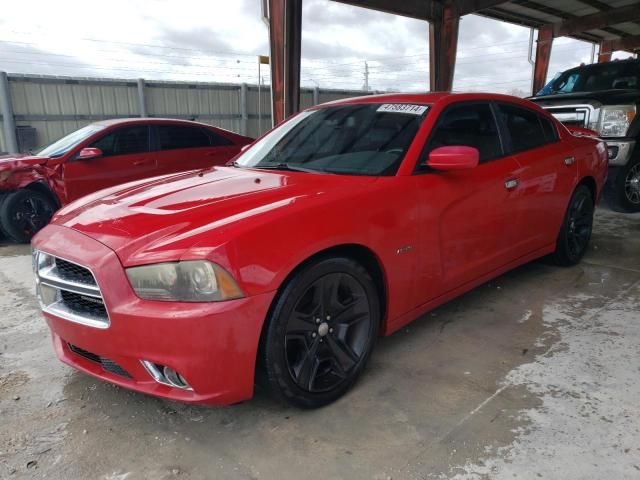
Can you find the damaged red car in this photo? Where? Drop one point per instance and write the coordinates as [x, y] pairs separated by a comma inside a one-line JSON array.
[[100, 155], [342, 224]]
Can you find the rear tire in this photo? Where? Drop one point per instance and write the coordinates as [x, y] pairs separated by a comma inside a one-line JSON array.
[[575, 233], [622, 191], [23, 213], [320, 333]]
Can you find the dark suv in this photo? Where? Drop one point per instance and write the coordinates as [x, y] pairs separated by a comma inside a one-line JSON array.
[[604, 97]]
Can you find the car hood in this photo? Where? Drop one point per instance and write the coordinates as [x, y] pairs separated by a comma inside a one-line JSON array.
[[605, 97], [14, 162], [162, 218]]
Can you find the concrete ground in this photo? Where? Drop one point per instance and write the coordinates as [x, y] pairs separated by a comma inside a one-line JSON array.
[[533, 375]]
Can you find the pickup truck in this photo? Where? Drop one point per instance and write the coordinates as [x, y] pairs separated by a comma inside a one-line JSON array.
[[605, 98]]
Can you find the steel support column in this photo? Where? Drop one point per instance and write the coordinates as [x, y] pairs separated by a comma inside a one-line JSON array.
[[285, 32], [543, 55], [443, 45], [604, 55]]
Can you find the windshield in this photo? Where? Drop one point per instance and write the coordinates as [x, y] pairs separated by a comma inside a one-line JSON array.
[[361, 139], [594, 78], [62, 146]]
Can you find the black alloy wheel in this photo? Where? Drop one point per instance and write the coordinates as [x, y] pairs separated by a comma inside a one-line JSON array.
[[24, 212], [575, 234], [321, 332]]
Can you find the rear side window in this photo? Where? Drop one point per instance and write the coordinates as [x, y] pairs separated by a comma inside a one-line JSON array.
[[469, 125], [172, 137], [549, 129], [526, 128], [124, 141], [217, 140]]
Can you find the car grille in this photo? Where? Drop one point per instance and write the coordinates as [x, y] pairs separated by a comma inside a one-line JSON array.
[[583, 116], [69, 291], [75, 273], [107, 364]]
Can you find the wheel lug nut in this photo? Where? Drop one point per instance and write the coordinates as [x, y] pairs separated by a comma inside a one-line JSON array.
[[313, 335], [317, 320], [328, 317], [331, 330]]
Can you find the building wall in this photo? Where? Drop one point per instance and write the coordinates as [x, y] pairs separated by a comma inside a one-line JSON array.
[[56, 106]]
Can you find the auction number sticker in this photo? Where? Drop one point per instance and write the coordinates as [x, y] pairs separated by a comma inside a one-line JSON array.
[[403, 108]]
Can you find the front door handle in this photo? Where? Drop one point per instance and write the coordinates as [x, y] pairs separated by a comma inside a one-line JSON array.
[[569, 161], [511, 183], [137, 163]]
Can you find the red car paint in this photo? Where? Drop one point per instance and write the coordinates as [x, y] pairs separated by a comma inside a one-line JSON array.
[[69, 178], [434, 236]]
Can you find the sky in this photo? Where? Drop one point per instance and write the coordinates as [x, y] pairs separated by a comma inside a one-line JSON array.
[[219, 40]]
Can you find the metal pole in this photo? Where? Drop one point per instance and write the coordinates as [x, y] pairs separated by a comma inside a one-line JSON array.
[[8, 121], [531, 62], [243, 109], [259, 100], [316, 95], [142, 106]]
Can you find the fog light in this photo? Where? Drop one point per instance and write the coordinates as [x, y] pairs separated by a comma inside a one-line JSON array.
[[165, 375], [612, 152]]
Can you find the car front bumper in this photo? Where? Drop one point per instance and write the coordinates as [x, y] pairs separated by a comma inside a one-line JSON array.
[[213, 346], [619, 151]]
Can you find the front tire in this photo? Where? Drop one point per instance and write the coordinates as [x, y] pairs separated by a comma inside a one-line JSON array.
[[23, 213], [575, 233], [622, 191], [320, 333]]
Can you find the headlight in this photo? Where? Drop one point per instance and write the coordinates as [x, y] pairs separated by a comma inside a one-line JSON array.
[[615, 120], [188, 281]]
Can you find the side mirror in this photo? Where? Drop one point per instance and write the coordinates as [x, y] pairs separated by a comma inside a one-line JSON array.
[[88, 153], [453, 158]]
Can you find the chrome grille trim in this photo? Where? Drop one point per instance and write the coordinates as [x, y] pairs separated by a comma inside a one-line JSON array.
[[50, 284]]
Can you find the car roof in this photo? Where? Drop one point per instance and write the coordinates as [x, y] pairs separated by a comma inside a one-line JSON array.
[[147, 120], [430, 98]]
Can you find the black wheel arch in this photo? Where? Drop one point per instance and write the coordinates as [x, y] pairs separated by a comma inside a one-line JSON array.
[[591, 184], [357, 252], [42, 187]]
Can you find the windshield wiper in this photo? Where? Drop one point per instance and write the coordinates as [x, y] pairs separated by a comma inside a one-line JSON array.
[[287, 166]]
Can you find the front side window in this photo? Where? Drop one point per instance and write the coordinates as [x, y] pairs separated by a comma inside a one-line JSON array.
[[524, 126], [173, 137], [469, 125], [360, 139], [124, 141]]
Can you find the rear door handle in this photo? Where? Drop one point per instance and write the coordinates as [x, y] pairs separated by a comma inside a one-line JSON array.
[[569, 161], [511, 183], [137, 163]]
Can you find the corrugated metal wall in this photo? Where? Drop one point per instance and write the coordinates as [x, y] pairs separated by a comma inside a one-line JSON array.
[[56, 106]]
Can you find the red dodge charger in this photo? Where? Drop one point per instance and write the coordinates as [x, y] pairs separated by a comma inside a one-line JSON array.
[[344, 223], [101, 155]]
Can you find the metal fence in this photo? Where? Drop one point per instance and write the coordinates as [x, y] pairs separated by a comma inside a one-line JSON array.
[[55, 106]]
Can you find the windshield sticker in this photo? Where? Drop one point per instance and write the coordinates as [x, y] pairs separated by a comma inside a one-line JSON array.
[[403, 108]]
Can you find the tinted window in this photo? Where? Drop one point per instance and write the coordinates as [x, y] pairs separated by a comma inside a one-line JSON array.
[[124, 141], [470, 125], [171, 137], [524, 127], [217, 140], [550, 133]]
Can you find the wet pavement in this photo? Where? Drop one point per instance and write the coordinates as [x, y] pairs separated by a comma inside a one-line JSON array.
[[533, 375]]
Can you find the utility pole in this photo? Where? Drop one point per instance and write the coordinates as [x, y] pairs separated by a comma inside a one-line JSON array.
[[365, 87]]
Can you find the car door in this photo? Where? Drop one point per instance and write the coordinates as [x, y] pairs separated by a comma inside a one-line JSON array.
[[190, 147], [546, 176], [466, 229], [125, 157]]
